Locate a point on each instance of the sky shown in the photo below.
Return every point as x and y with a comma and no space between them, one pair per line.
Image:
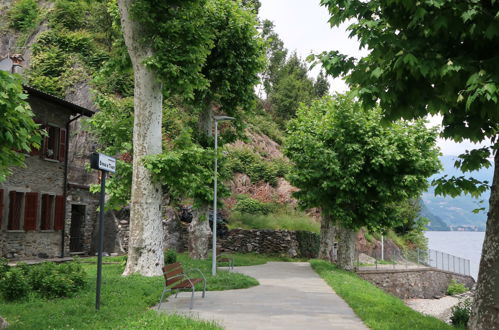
304,28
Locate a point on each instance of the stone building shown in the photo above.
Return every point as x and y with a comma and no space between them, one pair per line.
40,214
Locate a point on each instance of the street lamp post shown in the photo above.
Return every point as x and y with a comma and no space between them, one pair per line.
214,248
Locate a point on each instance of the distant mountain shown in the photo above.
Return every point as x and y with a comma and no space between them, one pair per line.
436,223
458,211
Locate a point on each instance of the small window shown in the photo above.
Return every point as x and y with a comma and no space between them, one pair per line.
16,204
54,145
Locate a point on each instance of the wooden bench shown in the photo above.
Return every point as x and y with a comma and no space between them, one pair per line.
224,259
176,279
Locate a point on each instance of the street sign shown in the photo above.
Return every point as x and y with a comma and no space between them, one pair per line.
102,162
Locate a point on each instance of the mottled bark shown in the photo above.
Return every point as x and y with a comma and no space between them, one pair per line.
145,252
327,239
199,234
346,248
205,122
485,313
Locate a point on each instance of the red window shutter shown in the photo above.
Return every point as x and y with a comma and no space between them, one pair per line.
30,210
59,213
37,152
1,207
45,145
14,214
62,144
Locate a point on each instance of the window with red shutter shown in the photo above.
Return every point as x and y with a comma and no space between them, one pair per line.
15,208
47,212
1,208
30,210
62,144
59,213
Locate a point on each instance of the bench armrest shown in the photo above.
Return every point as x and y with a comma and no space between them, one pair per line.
198,270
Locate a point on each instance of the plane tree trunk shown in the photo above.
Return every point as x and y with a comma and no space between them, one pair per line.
346,248
199,233
145,252
485,313
327,238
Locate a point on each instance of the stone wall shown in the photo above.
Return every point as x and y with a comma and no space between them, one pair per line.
277,242
425,283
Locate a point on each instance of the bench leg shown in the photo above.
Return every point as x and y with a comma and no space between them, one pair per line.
161,300
192,297
204,288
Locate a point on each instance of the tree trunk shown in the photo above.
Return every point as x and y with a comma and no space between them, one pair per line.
485,313
346,248
199,234
199,228
145,251
327,239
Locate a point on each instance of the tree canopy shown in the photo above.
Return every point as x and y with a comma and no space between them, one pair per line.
19,133
352,166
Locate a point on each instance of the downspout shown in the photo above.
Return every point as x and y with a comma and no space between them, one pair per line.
65,187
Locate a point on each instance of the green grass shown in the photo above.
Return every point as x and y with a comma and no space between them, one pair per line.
274,221
378,310
125,301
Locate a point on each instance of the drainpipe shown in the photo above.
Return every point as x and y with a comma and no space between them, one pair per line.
65,186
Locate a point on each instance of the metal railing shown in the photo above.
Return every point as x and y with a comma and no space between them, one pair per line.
417,258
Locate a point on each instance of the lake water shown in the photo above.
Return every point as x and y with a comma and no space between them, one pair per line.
462,244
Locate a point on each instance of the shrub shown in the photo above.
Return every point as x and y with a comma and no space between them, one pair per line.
23,15
39,272
4,267
252,206
455,288
460,314
68,14
14,284
170,256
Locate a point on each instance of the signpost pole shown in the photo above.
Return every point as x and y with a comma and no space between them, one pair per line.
101,239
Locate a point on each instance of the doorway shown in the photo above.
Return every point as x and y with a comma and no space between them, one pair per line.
76,230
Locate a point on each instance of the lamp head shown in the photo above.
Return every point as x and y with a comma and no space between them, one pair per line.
223,118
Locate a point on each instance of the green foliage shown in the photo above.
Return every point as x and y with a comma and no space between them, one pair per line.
4,266
244,160
186,169
170,256
460,314
252,206
280,220
456,288
232,66
14,284
354,167
426,57
377,309
308,244
23,15
48,280
19,133
291,88
68,14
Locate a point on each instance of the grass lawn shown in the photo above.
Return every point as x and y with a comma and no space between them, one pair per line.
378,310
296,221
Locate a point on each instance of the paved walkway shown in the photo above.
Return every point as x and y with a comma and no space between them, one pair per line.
290,296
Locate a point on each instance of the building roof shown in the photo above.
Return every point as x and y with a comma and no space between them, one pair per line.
76,108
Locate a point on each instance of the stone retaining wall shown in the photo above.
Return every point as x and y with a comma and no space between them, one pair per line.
424,283
281,242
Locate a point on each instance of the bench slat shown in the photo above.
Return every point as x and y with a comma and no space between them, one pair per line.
171,267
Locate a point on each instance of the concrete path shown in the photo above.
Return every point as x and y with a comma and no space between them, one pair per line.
290,296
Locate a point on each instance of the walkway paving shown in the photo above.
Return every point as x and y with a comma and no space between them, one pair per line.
290,296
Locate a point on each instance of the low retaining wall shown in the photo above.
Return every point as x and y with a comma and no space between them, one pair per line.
293,244
424,283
